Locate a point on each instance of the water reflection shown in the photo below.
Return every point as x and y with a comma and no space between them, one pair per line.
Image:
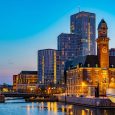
89,111
49,108
77,110
28,109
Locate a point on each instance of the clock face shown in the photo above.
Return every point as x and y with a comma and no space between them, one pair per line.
104,50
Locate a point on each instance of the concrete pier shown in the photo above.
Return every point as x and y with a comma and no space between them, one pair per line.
102,102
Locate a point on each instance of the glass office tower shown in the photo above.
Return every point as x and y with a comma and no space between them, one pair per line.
48,66
67,45
84,24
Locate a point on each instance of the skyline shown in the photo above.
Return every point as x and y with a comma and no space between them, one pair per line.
23,26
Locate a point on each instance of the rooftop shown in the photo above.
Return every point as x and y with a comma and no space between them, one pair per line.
87,61
29,72
101,24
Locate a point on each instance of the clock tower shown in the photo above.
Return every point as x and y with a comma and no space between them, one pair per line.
103,45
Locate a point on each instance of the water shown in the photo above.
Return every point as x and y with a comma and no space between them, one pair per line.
20,107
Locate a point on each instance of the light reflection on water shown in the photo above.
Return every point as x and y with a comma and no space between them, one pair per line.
19,107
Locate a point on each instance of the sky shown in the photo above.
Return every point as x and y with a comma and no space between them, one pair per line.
29,25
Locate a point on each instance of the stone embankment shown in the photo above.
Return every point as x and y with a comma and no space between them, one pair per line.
102,102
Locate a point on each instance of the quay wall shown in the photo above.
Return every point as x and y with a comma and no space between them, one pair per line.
85,101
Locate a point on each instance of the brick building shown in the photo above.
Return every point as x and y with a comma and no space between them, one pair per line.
85,73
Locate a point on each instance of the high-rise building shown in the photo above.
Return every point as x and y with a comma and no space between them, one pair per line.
48,66
81,40
112,52
84,24
67,45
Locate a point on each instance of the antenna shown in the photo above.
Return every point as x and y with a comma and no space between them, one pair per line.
79,8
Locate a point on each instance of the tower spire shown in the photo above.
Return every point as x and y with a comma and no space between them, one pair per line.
103,45
102,29
79,8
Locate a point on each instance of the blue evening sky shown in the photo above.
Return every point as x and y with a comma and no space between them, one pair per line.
29,25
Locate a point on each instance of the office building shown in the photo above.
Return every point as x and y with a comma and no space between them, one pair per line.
84,24
112,52
48,66
67,45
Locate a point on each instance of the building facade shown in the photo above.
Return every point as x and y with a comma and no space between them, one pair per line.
67,45
86,73
15,82
81,40
84,24
112,52
26,81
48,66
6,88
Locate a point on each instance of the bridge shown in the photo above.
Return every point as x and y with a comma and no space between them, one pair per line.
24,95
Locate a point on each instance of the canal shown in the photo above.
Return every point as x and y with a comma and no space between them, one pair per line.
20,107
